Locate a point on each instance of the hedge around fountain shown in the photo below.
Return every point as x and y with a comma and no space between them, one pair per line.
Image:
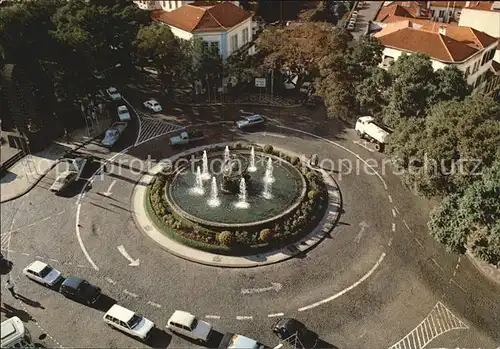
289,229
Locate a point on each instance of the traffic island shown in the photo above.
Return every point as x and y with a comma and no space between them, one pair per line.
174,206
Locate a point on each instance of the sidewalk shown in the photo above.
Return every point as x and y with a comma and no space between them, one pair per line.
27,172
489,270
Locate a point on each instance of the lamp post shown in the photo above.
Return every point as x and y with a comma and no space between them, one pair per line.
118,65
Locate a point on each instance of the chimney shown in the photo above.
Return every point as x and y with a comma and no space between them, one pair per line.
442,30
419,12
467,3
428,4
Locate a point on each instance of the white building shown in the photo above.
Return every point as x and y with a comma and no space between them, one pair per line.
470,50
483,16
167,5
222,24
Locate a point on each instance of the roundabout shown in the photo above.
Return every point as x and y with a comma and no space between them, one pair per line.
360,282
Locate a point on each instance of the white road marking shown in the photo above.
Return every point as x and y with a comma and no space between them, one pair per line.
329,299
278,346
390,242
81,266
111,281
79,237
418,242
244,317
440,320
276,314
436,263
393,212
276,286
339,146
390,198
406,225
39,257
212,316
458,285
393,227
133,262
363,146
26,254
54,260
108,192
397,211
156,305
130,293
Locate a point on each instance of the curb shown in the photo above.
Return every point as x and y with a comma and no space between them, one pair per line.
147,227
488,270
34,184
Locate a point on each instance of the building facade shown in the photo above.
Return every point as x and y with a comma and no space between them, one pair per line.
168,5
223,25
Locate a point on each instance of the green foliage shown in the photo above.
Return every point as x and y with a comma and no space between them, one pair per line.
312,194
472,219
266,235
156,44
443,153
226,238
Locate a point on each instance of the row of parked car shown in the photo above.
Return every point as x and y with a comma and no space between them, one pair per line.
180,322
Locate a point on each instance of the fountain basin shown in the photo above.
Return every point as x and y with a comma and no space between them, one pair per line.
288,190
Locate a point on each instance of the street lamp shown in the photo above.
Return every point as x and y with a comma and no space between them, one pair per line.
118,65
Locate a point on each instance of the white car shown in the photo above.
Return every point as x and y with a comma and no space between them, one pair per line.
351,26
43,273
188,325
237,341
113,93
64,179
249,121
129,322
123,113
153,105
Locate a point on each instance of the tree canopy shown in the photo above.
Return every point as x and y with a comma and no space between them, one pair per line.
471,220
443,152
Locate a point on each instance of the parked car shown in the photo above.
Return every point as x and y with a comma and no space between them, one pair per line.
63,180
123,113
153,105
42,273
113,134
291,330
306,87
188,325
351,26
368,128
129,322
79,163
113,93
237,341
98,75
250,121
80,290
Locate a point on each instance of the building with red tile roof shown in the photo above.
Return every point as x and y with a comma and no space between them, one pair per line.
221,24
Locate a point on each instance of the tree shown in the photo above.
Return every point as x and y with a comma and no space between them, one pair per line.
444,152
371,96
301,47
413,87
156,43
271,10
451,84
472,219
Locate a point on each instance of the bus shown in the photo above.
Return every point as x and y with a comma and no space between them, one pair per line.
14,335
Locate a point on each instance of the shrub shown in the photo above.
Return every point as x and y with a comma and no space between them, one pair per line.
266,235
238,145
312,194
268,149
225,238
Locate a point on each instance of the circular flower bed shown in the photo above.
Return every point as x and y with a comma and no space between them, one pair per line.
249,240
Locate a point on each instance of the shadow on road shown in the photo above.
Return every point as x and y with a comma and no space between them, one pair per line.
104,303
159,339
29,302
10,311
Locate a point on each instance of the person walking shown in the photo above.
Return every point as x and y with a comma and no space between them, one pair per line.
10,287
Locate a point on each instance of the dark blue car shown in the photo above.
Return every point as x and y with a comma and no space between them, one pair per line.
80,290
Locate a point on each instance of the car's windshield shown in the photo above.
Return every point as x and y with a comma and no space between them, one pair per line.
45,271
134,321
194,324
123,111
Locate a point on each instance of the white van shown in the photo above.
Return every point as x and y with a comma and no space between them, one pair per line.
129,322
14,335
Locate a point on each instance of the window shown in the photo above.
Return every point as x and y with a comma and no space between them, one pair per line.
233,44
433,12
441,13
245,36
476,67
215,44
450,14
467,72
205,45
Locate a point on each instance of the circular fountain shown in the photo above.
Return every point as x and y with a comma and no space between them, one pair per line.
247,188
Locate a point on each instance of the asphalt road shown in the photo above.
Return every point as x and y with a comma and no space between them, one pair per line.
360,288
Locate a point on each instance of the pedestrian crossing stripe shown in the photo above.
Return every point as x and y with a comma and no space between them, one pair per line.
153,128
440,320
